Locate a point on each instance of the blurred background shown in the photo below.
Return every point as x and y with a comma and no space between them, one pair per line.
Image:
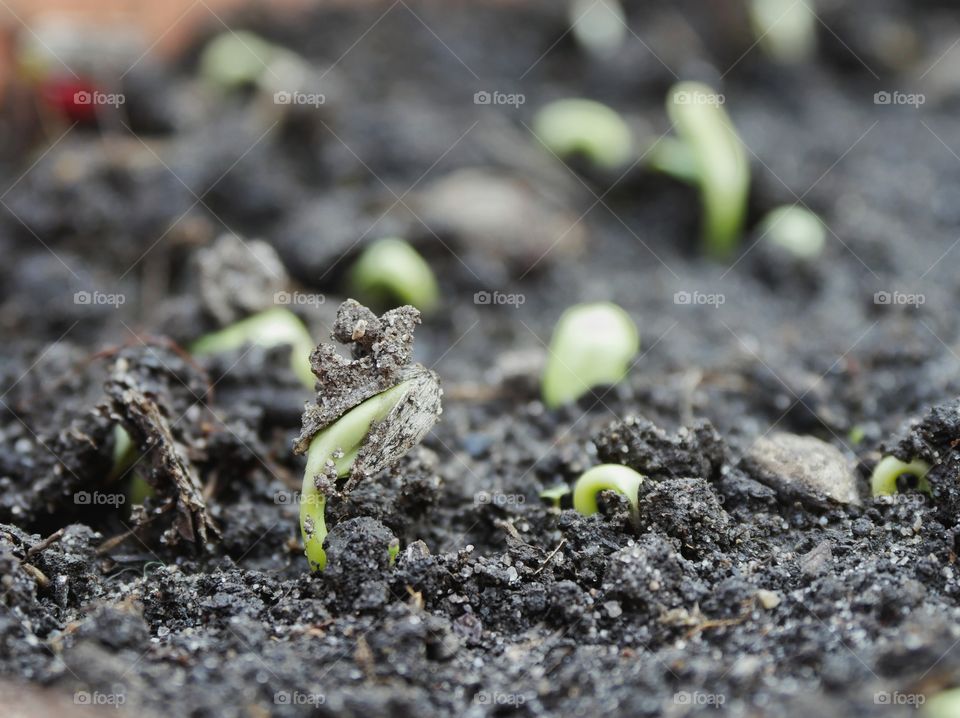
170,168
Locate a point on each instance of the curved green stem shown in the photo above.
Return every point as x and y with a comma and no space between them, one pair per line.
576,126
555,494
269,328
883,481
394,272
124,453
607,477
592,345
332,453
722,165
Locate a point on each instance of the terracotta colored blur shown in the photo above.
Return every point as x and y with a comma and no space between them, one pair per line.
166,25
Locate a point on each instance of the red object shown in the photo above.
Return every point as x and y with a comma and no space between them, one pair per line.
71,97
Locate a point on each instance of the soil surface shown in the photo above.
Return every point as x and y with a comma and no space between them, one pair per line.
761,578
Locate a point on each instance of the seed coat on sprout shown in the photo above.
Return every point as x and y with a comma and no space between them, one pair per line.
370,410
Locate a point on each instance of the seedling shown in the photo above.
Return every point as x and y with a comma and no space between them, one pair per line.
709,154
370,411
390,271
578,127
332,454
124,458
607,477
856,434
592,345
124,453
270,328
785,29
238,59
555,494
796,230
235,59
945,704
892,476
598,26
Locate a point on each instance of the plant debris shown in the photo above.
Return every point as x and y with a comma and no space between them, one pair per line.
381,350
148,396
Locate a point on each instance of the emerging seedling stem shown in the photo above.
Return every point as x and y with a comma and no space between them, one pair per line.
270,328
795,229
710,154
586,128
390,271
598,26
893,476
592,345
607,477
369,411
331,454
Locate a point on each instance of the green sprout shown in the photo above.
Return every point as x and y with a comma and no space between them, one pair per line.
555,494
795,229
235,59
124,453
945,704
709,154
576,126
269,328
891,476
592,345
598,26
785,29
370,410
239,59
125,456
607,477
392,272
337,447
856,434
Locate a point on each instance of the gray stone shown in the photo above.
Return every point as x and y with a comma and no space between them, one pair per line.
802,468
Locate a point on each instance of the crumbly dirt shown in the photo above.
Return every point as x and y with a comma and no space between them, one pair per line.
737,591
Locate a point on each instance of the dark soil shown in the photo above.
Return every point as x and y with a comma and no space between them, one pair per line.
731,590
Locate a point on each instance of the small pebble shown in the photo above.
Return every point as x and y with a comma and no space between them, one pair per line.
802,468
768,599
613,609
